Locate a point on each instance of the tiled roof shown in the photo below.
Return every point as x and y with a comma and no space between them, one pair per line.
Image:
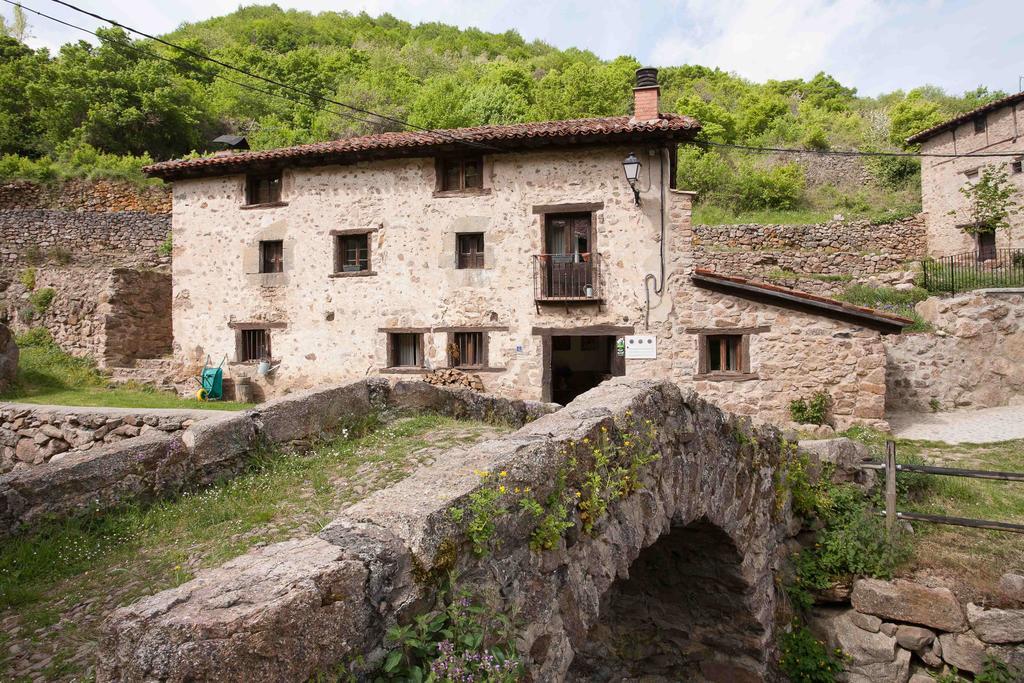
485,139
786,297
964,118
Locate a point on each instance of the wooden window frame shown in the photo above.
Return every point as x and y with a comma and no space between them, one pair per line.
474,260
443,162
980,124
338,237
252,181
393,351
239,330
264,270
483,351
744,372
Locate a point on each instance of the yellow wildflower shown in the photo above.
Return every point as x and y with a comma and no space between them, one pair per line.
515,490
502,489
503,473
526,490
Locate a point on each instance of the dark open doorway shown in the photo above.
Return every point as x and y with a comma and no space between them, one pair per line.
579,363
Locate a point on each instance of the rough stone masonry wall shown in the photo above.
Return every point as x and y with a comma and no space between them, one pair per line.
292,609
102,196
835,252
974,358
32,436
164,460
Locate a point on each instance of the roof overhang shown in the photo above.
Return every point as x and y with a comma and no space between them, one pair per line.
801,301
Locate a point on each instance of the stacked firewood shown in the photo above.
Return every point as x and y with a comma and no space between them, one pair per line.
452,377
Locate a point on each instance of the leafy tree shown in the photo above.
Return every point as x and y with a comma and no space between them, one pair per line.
991,201
914,114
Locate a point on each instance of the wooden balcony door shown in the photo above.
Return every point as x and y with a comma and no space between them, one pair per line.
567,240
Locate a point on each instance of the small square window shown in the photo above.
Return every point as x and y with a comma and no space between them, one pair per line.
471,250
980,124
723,353
405,350
263,189
1017,166
272,256
254,345
353,253
467,350
465,173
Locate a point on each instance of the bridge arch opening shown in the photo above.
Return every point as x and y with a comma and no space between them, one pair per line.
684,613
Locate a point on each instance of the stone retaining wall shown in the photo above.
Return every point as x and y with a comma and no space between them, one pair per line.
86,195
87,238
33,436
291,610
165,460
974,358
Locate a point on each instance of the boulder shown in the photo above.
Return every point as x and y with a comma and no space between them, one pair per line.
846,455
996,625
8,358
868,622
1012,586
872,656
906,601
914,638
963,651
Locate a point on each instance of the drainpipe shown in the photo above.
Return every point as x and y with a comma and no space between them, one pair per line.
659,282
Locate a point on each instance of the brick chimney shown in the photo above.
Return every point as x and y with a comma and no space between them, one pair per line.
646,94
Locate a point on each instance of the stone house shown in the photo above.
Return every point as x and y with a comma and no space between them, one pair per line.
520,253
996,128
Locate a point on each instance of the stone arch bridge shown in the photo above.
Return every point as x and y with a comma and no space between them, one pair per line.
674,581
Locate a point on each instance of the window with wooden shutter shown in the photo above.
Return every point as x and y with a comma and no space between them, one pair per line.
467,350
271,256
353,253
724,353
254,345
471,250
263,189
462,173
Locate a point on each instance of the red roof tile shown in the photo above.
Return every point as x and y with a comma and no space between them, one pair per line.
506,138
872,317
964,118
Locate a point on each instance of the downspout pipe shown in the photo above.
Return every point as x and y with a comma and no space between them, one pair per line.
650,279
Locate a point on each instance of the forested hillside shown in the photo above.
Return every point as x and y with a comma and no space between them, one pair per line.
108,109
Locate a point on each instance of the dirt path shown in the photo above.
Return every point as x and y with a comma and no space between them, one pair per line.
987,425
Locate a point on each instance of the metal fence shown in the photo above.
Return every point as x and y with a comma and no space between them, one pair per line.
892,515
567,277
975,270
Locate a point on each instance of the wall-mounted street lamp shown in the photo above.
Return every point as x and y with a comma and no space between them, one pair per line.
631,166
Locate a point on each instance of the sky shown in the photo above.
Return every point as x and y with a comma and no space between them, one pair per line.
873,45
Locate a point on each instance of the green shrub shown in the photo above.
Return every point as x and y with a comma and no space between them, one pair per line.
895,173
41,299
165,247
994,670
804,659
896,301
35,337
28,278
60,255
810,411
703,172
778,187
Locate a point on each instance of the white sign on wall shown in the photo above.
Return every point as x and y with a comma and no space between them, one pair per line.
640,346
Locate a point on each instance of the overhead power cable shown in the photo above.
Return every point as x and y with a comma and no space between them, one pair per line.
135,49
856,153
271,81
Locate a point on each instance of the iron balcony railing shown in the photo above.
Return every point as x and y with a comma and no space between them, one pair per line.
975,270
567,277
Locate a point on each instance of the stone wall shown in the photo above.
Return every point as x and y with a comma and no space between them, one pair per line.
85,239
974,358
33,436
110,315
163,459
104,196
895,627
329,599
825,169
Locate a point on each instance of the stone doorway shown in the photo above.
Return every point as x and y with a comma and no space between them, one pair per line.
684,614
578,363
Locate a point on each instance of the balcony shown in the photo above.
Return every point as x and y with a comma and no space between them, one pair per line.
567,279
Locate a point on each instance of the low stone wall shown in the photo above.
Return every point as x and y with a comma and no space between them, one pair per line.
34,435
893,625
290,610
86,195
125,238
138,324
974,358
904,240
166,460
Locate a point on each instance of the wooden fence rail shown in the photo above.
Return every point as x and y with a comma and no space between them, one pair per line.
891,468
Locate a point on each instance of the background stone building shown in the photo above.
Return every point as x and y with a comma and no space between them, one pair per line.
994,128
517,252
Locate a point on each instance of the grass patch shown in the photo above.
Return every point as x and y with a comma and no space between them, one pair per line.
972,558
48,375
819,205
943,277
897,301
110,559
